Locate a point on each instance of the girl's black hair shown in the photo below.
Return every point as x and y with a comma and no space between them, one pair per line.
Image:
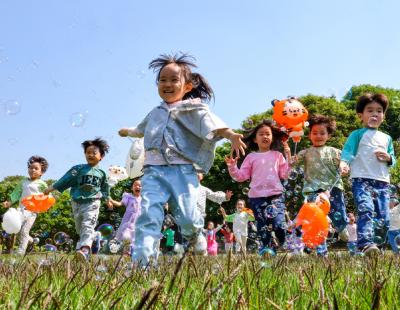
39,159
98,142
277,136
201,88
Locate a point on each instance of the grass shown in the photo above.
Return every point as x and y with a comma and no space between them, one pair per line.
57,281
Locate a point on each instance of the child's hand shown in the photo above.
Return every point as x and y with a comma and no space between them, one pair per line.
123,132
110,205
48,190
6,204
286,150
344,168
383,156
230,161
222,211
228,195
237,145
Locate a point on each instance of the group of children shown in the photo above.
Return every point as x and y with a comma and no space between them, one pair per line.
180,137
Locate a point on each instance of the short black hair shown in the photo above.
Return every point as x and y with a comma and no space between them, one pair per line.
38,159
367,98
329,122
98,142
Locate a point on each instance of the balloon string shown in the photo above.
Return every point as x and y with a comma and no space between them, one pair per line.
295,149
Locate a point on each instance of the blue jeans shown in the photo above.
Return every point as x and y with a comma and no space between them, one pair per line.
392,234
269,213
176,185
371,198
337,214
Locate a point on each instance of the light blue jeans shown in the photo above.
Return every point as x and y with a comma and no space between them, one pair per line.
392,234
176,185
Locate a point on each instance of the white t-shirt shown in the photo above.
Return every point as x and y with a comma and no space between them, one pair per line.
352,230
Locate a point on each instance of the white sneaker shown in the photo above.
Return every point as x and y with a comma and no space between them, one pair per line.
200,245
344,235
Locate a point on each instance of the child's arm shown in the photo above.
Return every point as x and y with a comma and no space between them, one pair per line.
242,174
217,197
66,181
219,227
237,145
349,152
286,151
388,156
116,203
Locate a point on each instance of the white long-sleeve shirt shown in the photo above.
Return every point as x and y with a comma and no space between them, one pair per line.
206,193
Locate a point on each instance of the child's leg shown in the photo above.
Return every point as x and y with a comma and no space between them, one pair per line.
258,205
29,220
337,213
238,238
228,246
244,243
381,202
155,194
392,234
322,249
279,221
184,184
363,200
89,213
77,220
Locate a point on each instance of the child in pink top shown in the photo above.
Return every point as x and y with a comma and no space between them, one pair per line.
265,168
211,235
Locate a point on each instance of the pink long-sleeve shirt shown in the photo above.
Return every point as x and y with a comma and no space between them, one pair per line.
265,171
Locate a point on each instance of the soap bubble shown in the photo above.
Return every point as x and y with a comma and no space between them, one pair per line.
50,248
60,238
141,74
12,141
245,191
35,240
106,230
397,241
378,240
12,107
292,175
77,119
337,216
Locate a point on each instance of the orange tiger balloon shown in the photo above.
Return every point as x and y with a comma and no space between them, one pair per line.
292,115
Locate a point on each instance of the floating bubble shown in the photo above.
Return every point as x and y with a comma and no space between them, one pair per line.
245,191
267,252
101,268
106,230
271,211
337,216
50,248
60,238
397,241
378,240
114,246
12,141
12,107
77,119
35,240
292,175
141,74
45,234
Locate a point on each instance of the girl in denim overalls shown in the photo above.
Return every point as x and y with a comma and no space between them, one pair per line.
179,134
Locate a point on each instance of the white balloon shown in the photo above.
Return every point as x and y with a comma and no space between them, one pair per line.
12,221
135,159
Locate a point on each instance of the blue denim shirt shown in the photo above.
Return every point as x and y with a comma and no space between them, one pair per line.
187,128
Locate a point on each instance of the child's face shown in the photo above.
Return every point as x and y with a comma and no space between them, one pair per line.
210,225
352,218
239,206
172,86
136,188
372,116
319,135
35,171
93,156
263,138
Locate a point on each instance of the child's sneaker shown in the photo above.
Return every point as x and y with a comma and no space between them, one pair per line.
82,256
344,235
371,250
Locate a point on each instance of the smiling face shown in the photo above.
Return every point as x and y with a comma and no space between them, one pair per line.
136,188
172,86
240,205
93,155
263,138
35,171
210,226
319,135
372,115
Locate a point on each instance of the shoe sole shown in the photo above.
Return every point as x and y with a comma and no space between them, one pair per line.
80,257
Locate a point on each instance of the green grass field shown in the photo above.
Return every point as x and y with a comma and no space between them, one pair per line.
57,281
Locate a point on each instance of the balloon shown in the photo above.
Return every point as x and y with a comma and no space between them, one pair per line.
38,203
135,159
323,202
12,221
291,115
116,174
249,211
314,224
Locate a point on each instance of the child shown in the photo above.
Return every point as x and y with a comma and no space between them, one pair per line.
179,133
370,154
211,235
88,185
206,193
394,229
169,236
126,231
240,220
352,230
229,237
265,167
37,166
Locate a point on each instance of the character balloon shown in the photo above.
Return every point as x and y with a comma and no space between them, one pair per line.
38,203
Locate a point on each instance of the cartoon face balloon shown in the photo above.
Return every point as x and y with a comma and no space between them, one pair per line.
38,203
291,115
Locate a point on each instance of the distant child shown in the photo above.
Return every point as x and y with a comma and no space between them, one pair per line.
126,230
178,134
265,167
369,154
240,220
169,235
229,237
37,166
89,186
394,229
211,235
352,230
206,193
